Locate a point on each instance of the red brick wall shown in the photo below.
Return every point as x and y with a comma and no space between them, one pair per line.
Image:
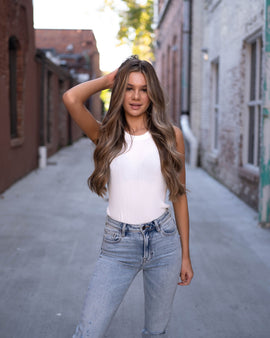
18,156
83,42
58,129
59,39
168,56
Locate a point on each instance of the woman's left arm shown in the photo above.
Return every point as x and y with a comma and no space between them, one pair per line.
180,206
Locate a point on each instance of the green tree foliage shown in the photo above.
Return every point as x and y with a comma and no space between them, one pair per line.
136,25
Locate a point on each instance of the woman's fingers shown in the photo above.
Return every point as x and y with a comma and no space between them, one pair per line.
111,77
186,278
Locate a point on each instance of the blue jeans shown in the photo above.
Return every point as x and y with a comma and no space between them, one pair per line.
126,249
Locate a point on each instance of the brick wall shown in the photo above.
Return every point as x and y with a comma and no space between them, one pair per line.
226,27
18,153
30,92
56,128
168,55
75,42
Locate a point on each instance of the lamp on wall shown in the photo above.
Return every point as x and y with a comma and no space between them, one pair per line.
205,53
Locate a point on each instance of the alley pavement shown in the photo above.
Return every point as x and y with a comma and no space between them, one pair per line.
51,229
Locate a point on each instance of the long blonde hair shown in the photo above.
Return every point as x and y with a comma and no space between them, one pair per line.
111,140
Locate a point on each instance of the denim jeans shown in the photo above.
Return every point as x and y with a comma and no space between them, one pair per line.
126,249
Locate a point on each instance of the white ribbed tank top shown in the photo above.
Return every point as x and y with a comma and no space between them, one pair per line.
137,189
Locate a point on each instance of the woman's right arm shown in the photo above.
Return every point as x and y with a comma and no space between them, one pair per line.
75,98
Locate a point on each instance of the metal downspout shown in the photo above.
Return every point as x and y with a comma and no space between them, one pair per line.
42,150
264,188
185,85
185,58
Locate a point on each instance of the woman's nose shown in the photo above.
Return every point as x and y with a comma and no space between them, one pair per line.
136,94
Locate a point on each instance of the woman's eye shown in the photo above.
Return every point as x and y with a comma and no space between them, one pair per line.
144,90
129,88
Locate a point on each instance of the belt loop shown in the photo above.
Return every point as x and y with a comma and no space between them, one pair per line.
157,225
123,230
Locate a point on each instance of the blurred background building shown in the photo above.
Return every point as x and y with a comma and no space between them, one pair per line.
217,53
34,123
76,51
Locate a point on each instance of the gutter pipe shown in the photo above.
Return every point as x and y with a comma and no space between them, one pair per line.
185,86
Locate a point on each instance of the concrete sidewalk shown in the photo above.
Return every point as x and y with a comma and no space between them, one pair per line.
51,229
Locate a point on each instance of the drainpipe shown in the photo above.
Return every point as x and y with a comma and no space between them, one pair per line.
185,85
42,150
185,58
191,139
264,188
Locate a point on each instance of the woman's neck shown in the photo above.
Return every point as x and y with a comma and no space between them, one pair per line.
137,126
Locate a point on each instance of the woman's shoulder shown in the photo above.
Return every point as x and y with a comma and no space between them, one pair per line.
178,132
179,138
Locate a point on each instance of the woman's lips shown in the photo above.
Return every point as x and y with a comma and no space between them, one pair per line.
135,106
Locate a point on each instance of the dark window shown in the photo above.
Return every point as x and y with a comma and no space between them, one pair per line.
253,71
49,107
13,47
254,104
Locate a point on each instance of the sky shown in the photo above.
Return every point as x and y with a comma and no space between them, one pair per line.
85,14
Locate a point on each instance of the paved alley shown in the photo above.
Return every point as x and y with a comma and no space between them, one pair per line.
51,229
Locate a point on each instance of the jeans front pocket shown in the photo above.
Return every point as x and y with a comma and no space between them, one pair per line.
169,228
111,234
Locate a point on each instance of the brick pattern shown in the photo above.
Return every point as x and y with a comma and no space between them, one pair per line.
168,56
222,28
58,129
74,42
226,26
19,156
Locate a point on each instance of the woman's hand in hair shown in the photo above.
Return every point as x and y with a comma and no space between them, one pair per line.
110,78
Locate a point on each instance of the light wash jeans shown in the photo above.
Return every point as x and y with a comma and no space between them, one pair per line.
126,249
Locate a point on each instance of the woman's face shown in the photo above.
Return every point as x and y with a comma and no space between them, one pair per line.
136,100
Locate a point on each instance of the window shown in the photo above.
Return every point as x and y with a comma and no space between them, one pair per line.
215,104
254,101
49,107
13,47
16,78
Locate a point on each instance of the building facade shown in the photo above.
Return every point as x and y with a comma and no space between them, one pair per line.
228,102
168,51
232,90
56,129
76,51
19,118
33,115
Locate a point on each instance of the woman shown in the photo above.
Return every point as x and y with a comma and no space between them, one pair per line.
138,156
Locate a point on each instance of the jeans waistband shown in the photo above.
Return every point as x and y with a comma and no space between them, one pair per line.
139,227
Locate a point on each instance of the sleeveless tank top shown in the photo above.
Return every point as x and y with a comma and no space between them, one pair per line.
136,187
